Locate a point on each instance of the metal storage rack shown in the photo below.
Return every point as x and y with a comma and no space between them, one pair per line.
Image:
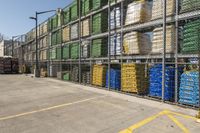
163,58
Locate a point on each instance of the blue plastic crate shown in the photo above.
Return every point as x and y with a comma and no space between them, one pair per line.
115,79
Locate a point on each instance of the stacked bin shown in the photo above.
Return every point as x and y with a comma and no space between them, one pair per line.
85,72
58,53
66,34
66,52
52,54
189,88
136,43
99,75
74,31
66,16
96,4
134,79
157,10
190,5
66,76
115,79
191,37
86,6
138,12
99,47
115,44
56,38
74,50
74,10
157,42
155,89
85,27
115,18
100,22
74,74
85,49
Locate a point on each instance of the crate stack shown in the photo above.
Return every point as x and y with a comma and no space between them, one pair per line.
100,22
99,47
66,16
138,12
74,51
115,79
157,9
74,74
56,38
85,27
115,44
85,75
85,49
155,89
99,75
66,51
136,43
86,6
66,34
134,79
7,65
191,37
189,88
1,65
157,42
15,65
52,54
190,5
66,76
96,4
74,10
115,18
58,53
74,31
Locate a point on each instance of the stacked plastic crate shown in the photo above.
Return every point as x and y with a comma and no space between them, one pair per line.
66,51
191,37
74,50
134,79
115,44
86,6
155,88
66,16
74,31
157,42
96,4
85,49
74,10
115,18
136,43
85,27
138,12
157,10
52,54
85,74
99,47
66,34
190,5
66,76
189,88
74,74
99,75
58,53
115,79
100,22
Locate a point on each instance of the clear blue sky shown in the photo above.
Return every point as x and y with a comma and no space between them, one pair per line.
14,14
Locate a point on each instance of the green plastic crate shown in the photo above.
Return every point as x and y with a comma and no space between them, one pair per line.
86,6
66,16
58,53
96,4
100,23
74,50
54,38
66,52
66,76
52,54
99,48
190,5
74,10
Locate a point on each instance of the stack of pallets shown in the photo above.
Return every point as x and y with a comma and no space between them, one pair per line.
190,5
115,18
115,79
99,75
74,74
74,50
191,37
189,88
134,79
85,49
99,47
86,77
74,31
115,44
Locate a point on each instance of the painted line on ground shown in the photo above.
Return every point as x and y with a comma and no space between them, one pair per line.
153,117
46,109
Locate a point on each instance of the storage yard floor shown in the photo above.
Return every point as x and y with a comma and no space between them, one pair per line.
29,105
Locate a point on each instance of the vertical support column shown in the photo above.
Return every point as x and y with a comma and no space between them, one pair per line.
61,48
90,50
164,50
79,5
122,27
109,33
176,52
37,73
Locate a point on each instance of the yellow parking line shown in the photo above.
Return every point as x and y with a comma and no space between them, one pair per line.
183,115
142,123
181,126
46,109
